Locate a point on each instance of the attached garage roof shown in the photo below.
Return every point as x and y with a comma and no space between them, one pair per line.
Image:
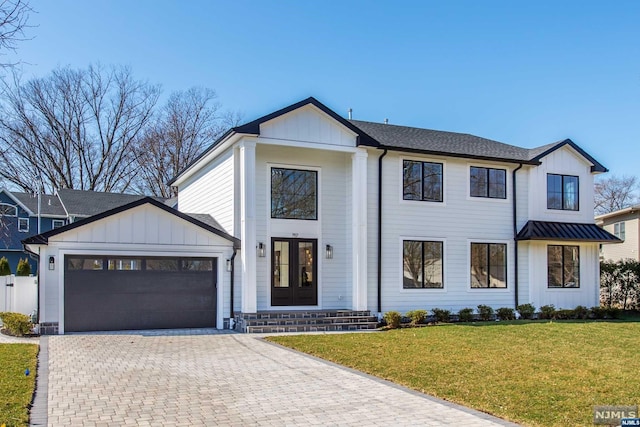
201,220
565,231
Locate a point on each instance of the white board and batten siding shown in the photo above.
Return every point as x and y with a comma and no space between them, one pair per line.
211,191
141,231
586,295
333,225
457,221
308,124
564,161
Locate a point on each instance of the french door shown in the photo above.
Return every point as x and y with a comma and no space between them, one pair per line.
294,279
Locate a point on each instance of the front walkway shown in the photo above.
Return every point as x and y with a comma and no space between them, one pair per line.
231,380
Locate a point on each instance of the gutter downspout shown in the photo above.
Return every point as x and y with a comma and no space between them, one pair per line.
515,234
380,232
233,271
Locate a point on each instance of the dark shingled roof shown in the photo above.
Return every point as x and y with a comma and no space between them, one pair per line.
49,204
84,203
565,231
207,219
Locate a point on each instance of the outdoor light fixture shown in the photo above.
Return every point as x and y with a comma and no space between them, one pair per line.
52,263
228,265
329,252
261,250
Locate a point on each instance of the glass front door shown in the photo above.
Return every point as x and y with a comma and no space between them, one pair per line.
294,272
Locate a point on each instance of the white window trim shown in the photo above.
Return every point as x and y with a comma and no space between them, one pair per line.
422,203
21,229
53,223
400,258
510,273
10,205
508,183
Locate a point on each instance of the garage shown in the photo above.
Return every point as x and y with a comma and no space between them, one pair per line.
143,265
109,293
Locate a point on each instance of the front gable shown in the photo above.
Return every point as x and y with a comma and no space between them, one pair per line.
566,160
145,224
308,124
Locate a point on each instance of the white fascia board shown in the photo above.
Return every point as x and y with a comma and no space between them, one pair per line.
301,144
220,148
17,202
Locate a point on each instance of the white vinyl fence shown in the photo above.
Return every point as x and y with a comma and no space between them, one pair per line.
19,294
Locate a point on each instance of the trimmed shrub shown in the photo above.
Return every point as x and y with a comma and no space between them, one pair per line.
563,314
24,268
5,270
547,312
441,315
417,316
580,312
505,313
392,319
526,311
485,312
613,312
597,312
17,324
465,315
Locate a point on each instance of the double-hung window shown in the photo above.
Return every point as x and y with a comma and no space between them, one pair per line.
422,264
563,266
488,182
294,194
488,265
562,192
618,230
23,224
422,181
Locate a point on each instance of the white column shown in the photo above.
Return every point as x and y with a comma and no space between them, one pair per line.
359,228
248,226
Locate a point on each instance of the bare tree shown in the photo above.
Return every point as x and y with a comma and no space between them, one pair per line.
14,15
190,121
615,193
74,129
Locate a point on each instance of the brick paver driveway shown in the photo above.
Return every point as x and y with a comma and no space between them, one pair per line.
231,380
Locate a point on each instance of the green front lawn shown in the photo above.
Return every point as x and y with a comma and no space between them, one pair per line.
16,389
534,373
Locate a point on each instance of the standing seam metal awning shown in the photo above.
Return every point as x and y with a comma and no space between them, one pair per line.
575,232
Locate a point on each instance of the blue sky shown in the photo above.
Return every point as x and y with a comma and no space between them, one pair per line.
524,73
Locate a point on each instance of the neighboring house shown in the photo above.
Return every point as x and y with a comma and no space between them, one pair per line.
625,225
316,212
20,220
25,215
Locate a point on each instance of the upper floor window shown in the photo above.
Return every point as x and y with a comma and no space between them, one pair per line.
294,194
562,192
488,182
488,265
422,181
422,264
8,210
618,230
57,223
563,266
23,224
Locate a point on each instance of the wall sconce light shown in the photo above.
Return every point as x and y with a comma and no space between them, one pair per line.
329,252
52,263
261,250
228,265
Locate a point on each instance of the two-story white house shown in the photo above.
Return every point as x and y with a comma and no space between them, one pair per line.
344,214
305,213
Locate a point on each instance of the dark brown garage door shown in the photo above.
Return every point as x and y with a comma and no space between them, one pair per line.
108,293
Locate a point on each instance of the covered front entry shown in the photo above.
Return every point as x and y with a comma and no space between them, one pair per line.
294,279
103,293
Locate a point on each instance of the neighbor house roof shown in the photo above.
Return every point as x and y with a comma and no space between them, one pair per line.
43,239
49,204
412,139
624,211
565,231
83,203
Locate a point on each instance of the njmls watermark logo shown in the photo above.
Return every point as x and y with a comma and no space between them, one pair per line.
614,415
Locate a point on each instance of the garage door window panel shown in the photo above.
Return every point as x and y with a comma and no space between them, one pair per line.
162,264
126,264
77,263
194,264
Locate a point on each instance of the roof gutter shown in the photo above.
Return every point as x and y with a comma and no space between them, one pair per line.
380,231
515,235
